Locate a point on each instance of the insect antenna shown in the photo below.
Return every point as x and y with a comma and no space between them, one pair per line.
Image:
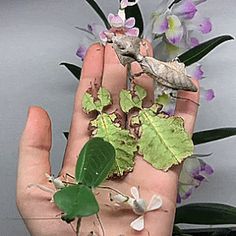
186,99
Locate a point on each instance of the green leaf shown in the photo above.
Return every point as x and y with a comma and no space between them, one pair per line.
76,201
129,101
75,70
221,232
212,135
206,214
90,103
195,54
134,11
123,142
99,11
95,162
164,141
173,3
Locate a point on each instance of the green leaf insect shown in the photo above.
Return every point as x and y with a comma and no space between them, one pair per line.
107,126
163,141
102,100
94,163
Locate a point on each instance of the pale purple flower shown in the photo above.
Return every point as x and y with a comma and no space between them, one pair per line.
178,22
200,24
81,51
185,9
193,173
207,94
120,24
195,71
175,31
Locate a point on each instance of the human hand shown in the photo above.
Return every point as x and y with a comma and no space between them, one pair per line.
102,67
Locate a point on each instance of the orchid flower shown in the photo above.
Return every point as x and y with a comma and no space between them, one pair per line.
120,24
177,22
127,3
138,205
193,173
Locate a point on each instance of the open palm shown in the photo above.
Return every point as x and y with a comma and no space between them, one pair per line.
41,216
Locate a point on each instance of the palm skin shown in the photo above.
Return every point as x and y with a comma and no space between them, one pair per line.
41,217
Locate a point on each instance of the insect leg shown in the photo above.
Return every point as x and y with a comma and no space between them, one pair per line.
187,99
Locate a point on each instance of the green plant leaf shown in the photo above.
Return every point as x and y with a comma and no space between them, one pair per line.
135,100
99,11
195,54
206,214
76,201
75,70
95,162
164,141
123,142
221,232
102,100
134,11
212,135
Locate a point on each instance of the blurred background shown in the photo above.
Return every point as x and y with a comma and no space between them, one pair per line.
37,35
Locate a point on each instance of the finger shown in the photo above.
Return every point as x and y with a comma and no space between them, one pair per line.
187,107
91,74
35,145
114,78
144,80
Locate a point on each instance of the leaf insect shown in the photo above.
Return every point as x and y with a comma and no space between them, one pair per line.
167,75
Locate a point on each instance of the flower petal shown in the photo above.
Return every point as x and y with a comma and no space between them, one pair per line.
132,32
175,32
134,192
205,26
115,20
185,9
160,24
207,94
128,3
196,71
81,51
193,42
155,203
130,23
138,224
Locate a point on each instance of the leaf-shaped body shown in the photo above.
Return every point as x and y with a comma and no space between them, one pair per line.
126,48
90,103
95,161
168,74
127,101
123,142
76,201
163,140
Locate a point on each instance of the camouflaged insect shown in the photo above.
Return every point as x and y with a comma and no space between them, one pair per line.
167,75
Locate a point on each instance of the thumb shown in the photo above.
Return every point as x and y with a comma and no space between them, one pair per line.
35,145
